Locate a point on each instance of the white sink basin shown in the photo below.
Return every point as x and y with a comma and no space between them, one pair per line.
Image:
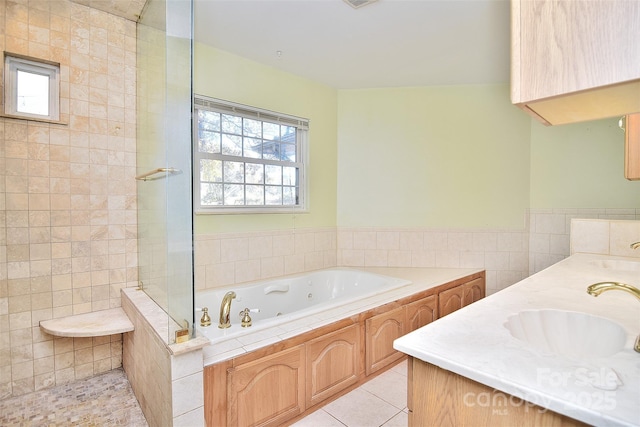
567,333
617,264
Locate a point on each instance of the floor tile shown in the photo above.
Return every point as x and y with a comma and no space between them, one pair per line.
390,387
400,420
320,418
103,400
359,408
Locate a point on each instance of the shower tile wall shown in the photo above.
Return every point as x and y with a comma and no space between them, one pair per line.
67,194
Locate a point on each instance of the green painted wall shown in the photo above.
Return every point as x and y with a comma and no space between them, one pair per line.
580,166
442,156
225,76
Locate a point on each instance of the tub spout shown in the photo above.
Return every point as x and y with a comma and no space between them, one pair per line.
635,245
225,310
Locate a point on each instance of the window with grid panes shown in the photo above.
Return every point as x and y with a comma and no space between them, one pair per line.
247,159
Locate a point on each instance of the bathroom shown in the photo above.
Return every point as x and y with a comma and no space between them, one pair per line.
484,185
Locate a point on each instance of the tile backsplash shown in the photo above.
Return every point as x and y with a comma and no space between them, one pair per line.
508,256
605,237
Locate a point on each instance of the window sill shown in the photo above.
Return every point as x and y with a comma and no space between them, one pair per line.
33,119
251,211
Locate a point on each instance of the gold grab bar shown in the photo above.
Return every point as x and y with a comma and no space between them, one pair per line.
167,171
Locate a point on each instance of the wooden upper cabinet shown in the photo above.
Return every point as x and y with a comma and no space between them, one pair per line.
575,60
632,147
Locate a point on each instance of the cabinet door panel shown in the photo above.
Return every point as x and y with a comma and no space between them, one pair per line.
268,391
473,291
381,331
632,147
450,301
332,363
566,44
422,312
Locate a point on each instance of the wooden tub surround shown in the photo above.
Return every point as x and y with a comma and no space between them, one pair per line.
283,382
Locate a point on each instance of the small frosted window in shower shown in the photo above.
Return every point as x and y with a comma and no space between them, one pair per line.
248,158
31,88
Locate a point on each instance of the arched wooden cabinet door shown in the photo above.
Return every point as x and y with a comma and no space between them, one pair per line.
332,363
381,331
473,291
450,300
422,312
268,391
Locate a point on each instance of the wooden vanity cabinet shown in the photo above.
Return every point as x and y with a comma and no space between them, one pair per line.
632,147
437,397
574,61
381,331
267,391
333,363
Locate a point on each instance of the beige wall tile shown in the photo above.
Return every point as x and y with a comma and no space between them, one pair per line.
56,175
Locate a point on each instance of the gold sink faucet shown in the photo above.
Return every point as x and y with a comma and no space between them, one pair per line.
225,310
598,288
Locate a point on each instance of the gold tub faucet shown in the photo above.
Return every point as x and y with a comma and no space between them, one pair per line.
225,310
598,288
635,245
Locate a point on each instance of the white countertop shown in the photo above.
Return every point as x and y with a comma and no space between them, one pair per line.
473,342
421,279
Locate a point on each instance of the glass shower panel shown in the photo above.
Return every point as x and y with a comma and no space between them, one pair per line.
165,219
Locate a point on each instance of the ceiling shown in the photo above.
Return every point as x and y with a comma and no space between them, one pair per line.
388,43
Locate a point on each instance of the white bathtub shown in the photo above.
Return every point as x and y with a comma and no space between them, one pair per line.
281,300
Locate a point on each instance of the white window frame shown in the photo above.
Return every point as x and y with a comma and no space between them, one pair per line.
226,107
15,63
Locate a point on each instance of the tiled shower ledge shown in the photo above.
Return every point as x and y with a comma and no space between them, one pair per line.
93,324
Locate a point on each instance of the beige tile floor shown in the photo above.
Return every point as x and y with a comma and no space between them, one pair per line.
381,402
